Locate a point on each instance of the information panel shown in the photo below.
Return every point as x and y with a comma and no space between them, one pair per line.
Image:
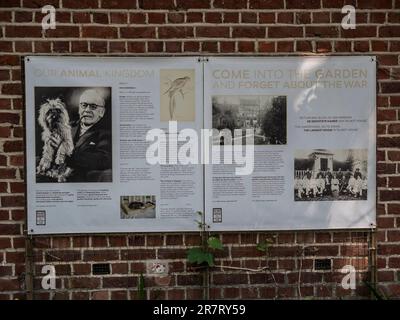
123,144
314,124
86,122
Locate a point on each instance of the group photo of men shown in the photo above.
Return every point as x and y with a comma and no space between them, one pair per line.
328,177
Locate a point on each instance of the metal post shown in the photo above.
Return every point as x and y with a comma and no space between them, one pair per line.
29,267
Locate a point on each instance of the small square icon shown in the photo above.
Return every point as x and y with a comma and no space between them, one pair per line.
40,217
217,215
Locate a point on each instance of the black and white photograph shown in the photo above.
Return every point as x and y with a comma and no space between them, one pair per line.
73,139
330,175
266,114
138,207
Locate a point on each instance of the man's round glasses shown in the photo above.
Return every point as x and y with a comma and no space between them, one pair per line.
92,106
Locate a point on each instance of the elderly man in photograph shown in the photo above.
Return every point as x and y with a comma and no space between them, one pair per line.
91,159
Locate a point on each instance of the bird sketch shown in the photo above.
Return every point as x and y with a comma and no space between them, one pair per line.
175,87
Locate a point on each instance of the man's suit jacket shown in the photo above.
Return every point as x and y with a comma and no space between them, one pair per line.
91,159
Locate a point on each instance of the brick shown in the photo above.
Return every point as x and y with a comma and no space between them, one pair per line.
79,46
138,32
81,17
23,16
8,173
17,160
98,46
118,4
285,46
248,32
82,269
189,280
117,241
303,4
120,268
157,4
212,32
99,32
136,47
12,201
137,254
393,236
175,17
389,195
11,89
83,283
285,17
209,46
266,4
248,17
213,17
61,46
176,294
100,18
100,255
371,4
321,17
42,47
100,295
172,240
5,16
23,31
82,4
118,18
192,17
6,46
175,32
230,4
285,32
158,18
303,18
119,282
388,142
5,243
304,46
388,249
323,32
12,118
192,4
172,253
61,242
359,32
377,17
266,17
63,32
9,284
229,279
387,60
390,87
342,46
385,168
393,208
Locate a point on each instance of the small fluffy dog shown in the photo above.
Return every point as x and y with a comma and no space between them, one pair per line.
54,119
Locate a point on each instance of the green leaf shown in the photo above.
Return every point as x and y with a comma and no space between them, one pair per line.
264,246
198,256
214,243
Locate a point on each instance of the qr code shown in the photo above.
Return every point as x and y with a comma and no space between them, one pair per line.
217,215
40,217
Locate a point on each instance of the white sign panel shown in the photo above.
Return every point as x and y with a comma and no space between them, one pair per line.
86,123
314,122
116,144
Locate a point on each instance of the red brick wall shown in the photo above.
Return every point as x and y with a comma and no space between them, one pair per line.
192,27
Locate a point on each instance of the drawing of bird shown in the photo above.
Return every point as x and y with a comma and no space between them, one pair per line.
176,86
